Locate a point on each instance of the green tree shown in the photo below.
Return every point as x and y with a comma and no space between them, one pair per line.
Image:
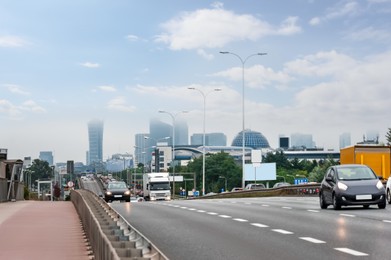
216,165
319,171
40,170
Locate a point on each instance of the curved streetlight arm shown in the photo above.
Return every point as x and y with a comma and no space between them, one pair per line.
243,120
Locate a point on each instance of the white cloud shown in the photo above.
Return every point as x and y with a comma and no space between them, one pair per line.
321,64
120,104
205,55
16,89
90,65
107,88
371,34
132,38
214,28
32,106
10,41
256,76
341,9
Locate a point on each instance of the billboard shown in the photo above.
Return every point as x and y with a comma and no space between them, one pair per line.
260,172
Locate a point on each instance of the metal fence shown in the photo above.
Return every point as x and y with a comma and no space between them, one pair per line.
111,237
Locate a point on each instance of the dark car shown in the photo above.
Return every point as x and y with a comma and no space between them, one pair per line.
351,184
117,190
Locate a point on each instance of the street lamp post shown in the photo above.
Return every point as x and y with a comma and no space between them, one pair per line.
203,137
173,117
243,61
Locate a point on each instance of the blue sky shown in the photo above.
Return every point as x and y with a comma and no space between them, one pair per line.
63,63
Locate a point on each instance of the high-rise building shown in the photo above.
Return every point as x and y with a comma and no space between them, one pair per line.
142,150
344,140
302,140
46,156
211,139
284,142
159,130
95,136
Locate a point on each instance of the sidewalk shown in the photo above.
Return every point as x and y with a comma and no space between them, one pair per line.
41,230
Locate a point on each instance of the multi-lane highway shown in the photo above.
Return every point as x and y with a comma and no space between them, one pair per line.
261,228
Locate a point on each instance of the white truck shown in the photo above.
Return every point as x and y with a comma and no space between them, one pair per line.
156,186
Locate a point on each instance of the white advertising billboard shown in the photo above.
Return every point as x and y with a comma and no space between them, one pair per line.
260,172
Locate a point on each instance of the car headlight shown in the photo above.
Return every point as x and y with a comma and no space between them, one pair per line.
342,186
127,192
108,192
379,185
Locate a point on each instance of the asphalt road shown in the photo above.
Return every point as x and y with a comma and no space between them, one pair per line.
261,228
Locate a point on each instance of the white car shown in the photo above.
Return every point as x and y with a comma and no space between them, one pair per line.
388,190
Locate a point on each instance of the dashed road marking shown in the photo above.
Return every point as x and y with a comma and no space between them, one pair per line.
183,207
224,216
348,215
287,207
212,213
192,209
312,240
282,231
350,251
312,210
259,225
265,205
387,221
240,220
201,211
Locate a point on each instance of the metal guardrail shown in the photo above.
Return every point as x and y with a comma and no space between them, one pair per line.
294,190
111,237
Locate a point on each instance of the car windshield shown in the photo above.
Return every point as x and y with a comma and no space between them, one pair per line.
356,173
120,185
160,186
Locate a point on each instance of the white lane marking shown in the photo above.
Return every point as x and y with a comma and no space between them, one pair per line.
259,225
312,240
240,220
312,210
201,211
191,209
287,207
247,203
224,216
176,206
212,213
350,251
282,231
348,215
387,221
265,205
183,207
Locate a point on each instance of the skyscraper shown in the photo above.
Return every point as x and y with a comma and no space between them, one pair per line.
344,140
95,136
46,156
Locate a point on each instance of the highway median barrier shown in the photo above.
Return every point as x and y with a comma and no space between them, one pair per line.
110,236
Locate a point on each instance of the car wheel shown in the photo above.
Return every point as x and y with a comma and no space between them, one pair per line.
323,204
389,196
336,203
382,205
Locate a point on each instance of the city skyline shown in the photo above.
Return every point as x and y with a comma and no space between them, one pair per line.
325,72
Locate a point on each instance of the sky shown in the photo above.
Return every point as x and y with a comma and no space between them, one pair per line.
327,70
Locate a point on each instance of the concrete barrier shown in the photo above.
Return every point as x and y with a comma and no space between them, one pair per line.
109,234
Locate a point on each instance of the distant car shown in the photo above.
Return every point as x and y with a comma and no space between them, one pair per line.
117,190
351,184
236,189
255,186
388,190
281,184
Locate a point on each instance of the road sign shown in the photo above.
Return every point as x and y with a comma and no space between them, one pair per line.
70,184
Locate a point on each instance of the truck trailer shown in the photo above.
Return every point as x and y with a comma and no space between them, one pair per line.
376,157
156,186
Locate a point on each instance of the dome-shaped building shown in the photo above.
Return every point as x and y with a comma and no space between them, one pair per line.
253,139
